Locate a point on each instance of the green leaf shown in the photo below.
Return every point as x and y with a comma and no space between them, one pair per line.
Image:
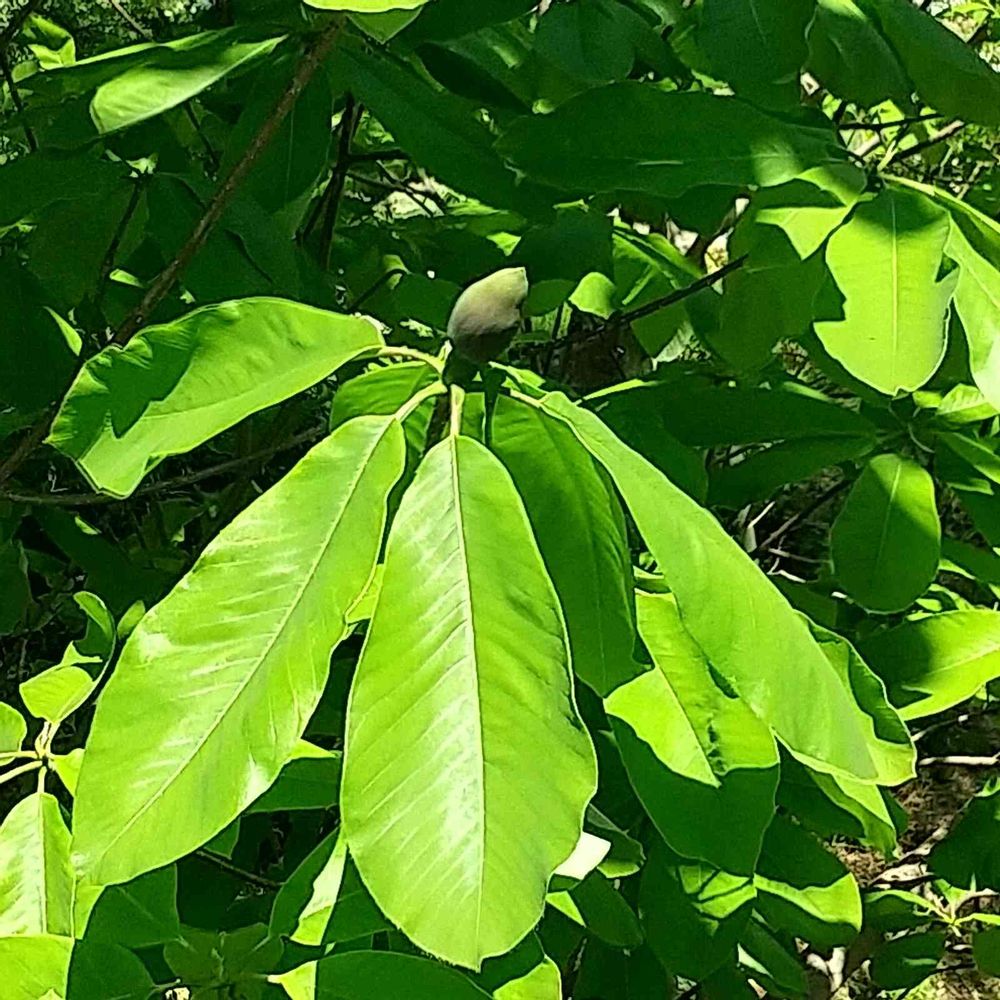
35,966
36,879
245,679
886,541
140,914
106,969
770,962
588,40
632,137
595,905
758,46
934,663
13,729
14,585
948,73
310,780
440,131
694,755
885,261
176,385
170,74
581,534
464,680
744,626
57,692
692,913
67,767
905,962
804,889
970,855
526,973
852,58
305,904
986,951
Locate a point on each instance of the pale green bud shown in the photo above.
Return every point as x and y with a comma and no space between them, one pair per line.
488,314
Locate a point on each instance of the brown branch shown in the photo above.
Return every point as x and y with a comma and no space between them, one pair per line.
379,156
131,21
884,126
940,136
15,98
682,293
31,440
801,515
335,189
189,479
224,865
165,281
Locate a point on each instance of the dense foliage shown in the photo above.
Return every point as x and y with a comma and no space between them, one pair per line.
600,672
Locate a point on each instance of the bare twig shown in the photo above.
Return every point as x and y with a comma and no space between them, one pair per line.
960,760
162,284
379,156
682,293
801,515
108,264
130,20
393,272
251,878
99,499
15,98
31,440
938,137
884,126
335,189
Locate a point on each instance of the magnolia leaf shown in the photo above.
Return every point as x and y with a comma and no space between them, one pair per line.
174,386
13,729
464,679
224,697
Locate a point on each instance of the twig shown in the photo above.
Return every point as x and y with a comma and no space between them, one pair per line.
940,136
130,20
682,293
960,760
883,126
335,189
801,515
15,98
267,884
394,188
393,272
98,499
162,284
108,264
379,156
31,440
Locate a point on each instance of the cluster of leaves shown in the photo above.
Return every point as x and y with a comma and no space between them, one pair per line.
519,704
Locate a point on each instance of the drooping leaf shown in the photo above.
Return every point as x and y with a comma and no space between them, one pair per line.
36,879
758,46
580,531
169,74
174,386
905,962
464,677
804,889
886,541
692,913
631,137
851,56
933,663
595,905
970,855
885,261
948,74
694,754
245,679
741,622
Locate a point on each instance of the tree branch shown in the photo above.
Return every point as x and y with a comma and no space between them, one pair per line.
17,22
682,293
940,136
224,865
165,281
960,760
15,98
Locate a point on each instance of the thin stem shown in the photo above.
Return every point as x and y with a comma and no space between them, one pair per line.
379,156
15,97
411,354
99,499
960,760
801,515
18,771
414,402
940,136
108,264
130,20
335,189
457,405
31,440
167,278
682,293
394,272
229,868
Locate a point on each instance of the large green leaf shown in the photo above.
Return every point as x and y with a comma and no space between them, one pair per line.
694,755
886,542
970,855
35,966
852,58
170,74
743,624
933,663
693,913
949,75
759,46
246,677
36,879
578,523
885,262
464,683
367,6
804,889
140,914
176,385
633,137
595,905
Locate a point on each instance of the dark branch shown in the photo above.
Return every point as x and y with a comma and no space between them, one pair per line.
15,98
682,293
940,136
165,281
17,22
